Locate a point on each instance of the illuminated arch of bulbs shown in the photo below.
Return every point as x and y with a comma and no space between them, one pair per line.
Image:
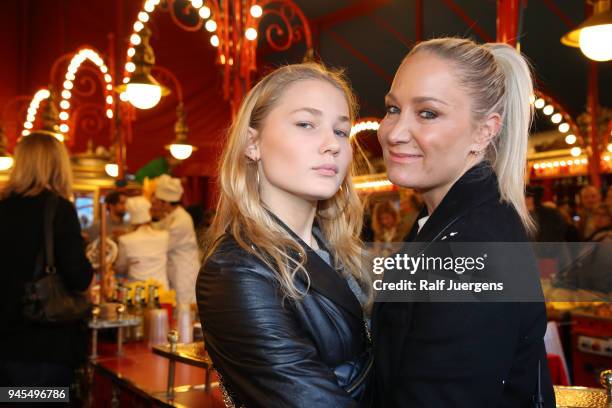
39,96
567,126
558,116
75,63
206,13
365,124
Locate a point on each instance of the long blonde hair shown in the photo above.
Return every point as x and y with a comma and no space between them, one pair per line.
41,162
499,80
240,212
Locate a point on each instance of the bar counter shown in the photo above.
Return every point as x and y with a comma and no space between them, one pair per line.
139,378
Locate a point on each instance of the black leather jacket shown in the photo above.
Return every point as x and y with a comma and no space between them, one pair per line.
272,353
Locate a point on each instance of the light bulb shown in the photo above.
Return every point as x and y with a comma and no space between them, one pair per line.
250,34
256,11
539,103
111,169
548,110
135,39
570,139
564,127
181,151
6,162
143,96
556,118
596,42
204,12
214,40
576,151
610,147
143,16
211,26
197,3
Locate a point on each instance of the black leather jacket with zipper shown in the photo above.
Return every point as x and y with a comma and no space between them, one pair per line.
274,353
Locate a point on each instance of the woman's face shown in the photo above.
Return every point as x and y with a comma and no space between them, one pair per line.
428,133
303,145
387,220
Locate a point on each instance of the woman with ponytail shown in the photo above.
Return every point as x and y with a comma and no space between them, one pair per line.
456,128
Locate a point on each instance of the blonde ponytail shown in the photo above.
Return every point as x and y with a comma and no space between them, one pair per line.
511,143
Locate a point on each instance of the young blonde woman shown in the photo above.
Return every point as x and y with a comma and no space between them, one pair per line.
456,129
281,291
31,354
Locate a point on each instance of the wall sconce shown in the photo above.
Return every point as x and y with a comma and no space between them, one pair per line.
594,35
142,90
181,149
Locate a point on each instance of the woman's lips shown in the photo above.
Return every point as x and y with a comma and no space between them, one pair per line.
327,170
404,157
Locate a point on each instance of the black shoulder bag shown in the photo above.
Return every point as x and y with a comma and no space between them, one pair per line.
46,298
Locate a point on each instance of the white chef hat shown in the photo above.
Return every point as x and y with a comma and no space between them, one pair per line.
138,207
168,188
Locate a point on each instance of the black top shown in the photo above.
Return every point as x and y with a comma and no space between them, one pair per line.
279,353
463,354
21,238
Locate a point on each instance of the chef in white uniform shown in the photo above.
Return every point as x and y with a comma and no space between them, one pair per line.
183,256
143,253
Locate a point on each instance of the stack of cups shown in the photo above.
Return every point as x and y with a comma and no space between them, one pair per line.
184,323
158,326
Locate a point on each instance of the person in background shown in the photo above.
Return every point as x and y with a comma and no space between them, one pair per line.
591,268
183,256
115,221
410,207
32,354
385,221
143,253
550,224
602,222
590,198
157,167
566,211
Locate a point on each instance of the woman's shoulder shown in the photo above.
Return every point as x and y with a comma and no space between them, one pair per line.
492,221
230,256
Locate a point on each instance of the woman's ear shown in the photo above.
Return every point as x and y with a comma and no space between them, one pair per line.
487,131
252,148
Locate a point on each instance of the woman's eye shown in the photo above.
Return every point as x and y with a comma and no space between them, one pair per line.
392,110
305,125
341,133
427,114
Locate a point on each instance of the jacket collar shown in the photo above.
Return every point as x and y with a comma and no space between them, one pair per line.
324,279
476,186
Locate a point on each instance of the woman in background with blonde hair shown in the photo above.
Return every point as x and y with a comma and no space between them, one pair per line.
456,130
281,291
31,354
